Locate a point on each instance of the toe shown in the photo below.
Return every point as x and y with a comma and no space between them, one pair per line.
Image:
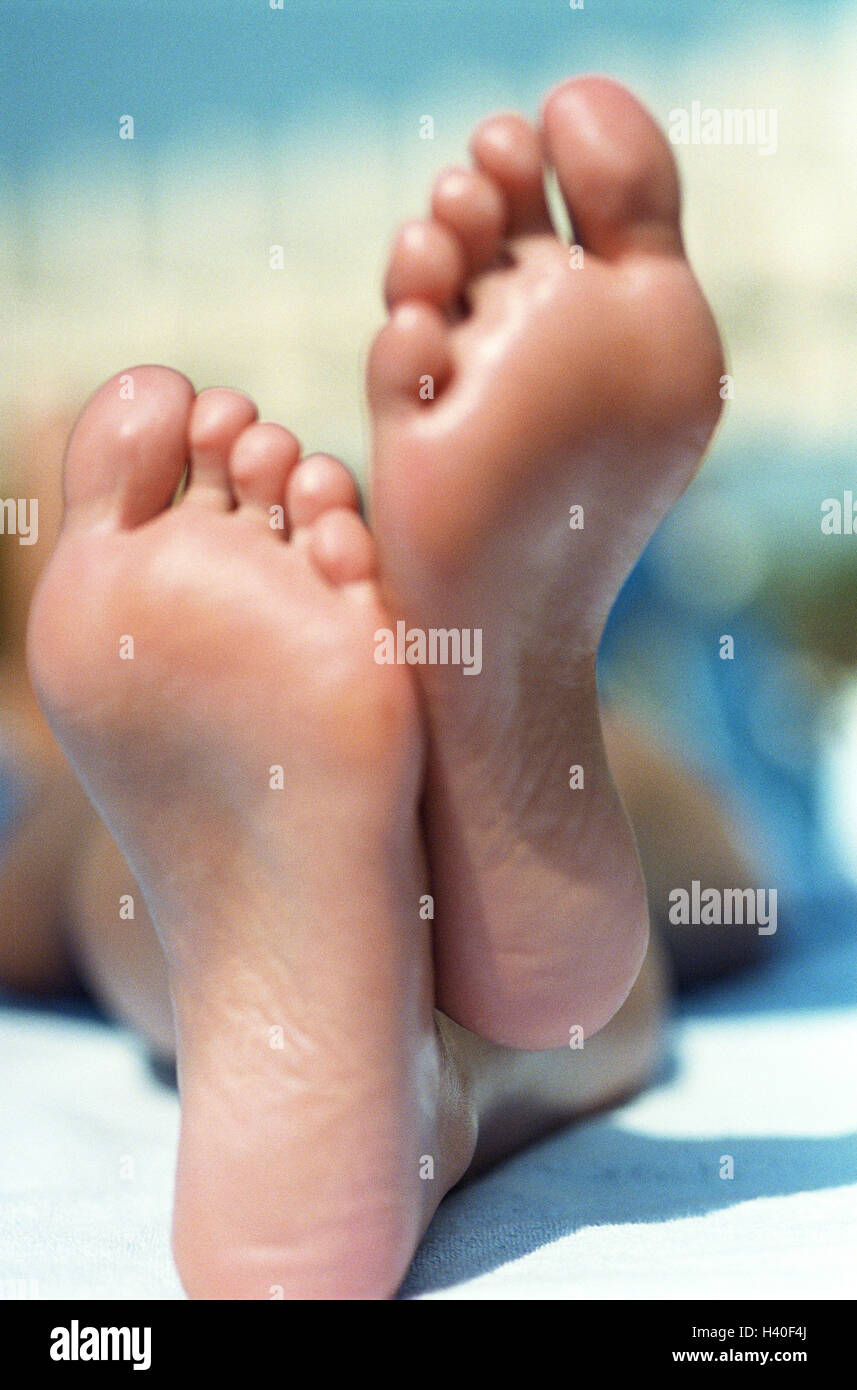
319,484
473,207
262,458
427,262
615,168
508,150
217,419
128,450
410,359
342,548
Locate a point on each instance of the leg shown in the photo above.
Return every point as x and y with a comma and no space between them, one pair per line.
36,866
119,956
52,816
684,833
61,874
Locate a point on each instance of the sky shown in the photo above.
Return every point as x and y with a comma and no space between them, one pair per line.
70,65
299,127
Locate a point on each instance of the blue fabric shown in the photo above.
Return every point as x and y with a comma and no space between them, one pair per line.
751,723
11,797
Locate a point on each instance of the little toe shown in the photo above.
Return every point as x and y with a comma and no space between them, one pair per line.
472,206
127,452
427,262
509,150
410,359
218,417
319,484
262,458
341,547
615,168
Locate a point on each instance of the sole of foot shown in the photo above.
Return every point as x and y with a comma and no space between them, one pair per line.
206,664
536,409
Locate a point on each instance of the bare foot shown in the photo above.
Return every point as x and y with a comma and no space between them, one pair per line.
556,385
211,680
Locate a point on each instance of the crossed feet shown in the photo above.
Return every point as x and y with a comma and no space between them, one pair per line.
208,666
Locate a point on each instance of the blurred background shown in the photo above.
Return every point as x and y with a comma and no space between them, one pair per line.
256,127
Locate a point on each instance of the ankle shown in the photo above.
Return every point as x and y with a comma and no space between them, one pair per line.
457,1112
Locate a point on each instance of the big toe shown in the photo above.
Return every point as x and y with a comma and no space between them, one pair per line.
127,452
615,168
